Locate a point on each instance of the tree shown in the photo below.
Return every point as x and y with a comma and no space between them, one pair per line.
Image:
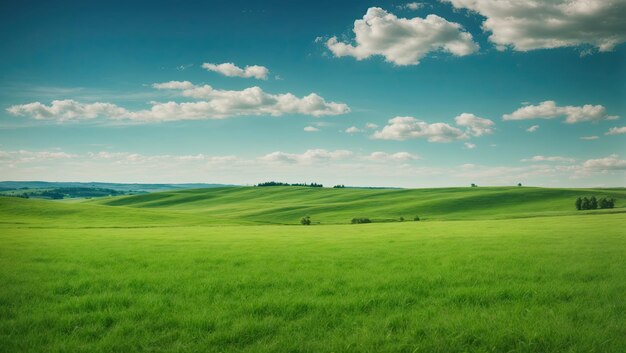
474,185
519,184
593,203
585,204
305,221
610,203
416,218
579,203
401,219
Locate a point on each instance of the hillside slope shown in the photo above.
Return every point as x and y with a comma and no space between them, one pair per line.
287,204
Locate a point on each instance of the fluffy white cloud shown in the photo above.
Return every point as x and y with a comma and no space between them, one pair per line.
616,131
476,126
533,128
352,130
311,129
403,41
212,104
394,157
549,159
589,137
406,127
412,6
572,114
612,162
68,109
469,145
309,156
533,24
232,70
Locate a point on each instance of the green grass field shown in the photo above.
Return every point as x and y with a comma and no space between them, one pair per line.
228,270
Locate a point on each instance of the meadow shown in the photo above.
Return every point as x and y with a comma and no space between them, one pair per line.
229,270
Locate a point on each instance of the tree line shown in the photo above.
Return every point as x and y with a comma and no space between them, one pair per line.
277,183
592,203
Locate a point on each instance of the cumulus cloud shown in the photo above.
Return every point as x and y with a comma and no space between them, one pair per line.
352,130
572,114
311,129
412,6
232,70
394,157
533,128
549,159
529,24
406,127
403,41
309,156
616,131
68,109
476,126
212,104
612,162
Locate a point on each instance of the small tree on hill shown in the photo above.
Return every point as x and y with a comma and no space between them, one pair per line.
593,203
519,184
585,203
416,218
305,221
474,185
579,204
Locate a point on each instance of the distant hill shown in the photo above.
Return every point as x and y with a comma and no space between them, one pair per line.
286,205
13,185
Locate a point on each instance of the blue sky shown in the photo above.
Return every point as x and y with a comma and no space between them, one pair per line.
421,94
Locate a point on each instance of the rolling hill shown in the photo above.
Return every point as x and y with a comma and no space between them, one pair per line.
286,205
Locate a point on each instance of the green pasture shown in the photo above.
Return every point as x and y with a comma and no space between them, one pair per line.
221,270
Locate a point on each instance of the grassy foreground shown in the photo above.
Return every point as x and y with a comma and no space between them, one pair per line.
547,284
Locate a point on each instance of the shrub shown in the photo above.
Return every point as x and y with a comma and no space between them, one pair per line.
361,220
305,221
401,219
416,218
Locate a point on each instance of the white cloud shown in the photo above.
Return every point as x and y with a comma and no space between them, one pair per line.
24,156
412,6
212,104
549,110
394,157
533,128
590,137
352,130
612,162
476,126
470,146
616,131
232,70
549,159
311,129
406,127
309,156
403,41
68,109
371,126
530,24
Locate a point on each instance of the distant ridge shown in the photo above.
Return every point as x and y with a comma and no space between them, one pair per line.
10,185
